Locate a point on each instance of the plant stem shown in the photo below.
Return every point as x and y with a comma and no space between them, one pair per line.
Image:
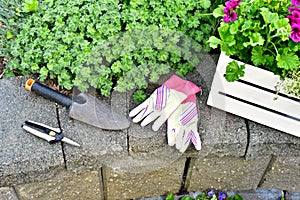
274,47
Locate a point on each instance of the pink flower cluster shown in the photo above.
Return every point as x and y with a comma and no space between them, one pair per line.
295,21
230,15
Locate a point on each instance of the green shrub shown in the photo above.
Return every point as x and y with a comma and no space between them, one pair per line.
110,44
10,12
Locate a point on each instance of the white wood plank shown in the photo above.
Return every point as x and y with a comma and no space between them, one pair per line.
256,96
255,114
253,74
261,97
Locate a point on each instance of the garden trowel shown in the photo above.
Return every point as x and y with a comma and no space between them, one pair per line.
84,107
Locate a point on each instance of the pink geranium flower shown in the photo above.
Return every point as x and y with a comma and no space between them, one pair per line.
293,20
294,8
296,2
295,33
230,17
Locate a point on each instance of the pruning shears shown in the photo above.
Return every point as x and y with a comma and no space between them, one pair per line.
48,133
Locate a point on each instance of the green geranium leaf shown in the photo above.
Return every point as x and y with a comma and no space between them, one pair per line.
259,57
234,71
30,6
283,29
214,42
287,61
255,39
268,16
218,12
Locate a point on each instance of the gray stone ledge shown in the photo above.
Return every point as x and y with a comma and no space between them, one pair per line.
64,185
27,159
284,174
8,193
230,173
265,140
24,157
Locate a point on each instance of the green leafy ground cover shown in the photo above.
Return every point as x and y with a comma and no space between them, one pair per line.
107,44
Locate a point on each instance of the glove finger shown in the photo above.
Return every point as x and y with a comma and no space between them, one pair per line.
172,132
160,121
195,138
140,108
185,142
180,137
151,117
144,113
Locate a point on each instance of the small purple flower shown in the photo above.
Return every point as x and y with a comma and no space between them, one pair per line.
295,33
211,193
221,196
230,18
296,2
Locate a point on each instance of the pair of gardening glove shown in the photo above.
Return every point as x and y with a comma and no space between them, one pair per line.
174,102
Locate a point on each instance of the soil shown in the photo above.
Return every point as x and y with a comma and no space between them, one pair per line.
2,65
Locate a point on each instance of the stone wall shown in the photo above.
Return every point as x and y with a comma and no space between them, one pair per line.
236,154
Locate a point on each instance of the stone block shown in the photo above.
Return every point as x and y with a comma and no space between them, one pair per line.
25,157
284,174
222,133
8,193
226,173
97,145
64,185
127,179
292,196
261,194
266,141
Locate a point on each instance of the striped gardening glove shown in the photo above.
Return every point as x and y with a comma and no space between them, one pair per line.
163,102
182,125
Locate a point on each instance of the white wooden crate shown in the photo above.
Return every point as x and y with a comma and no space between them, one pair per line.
252,98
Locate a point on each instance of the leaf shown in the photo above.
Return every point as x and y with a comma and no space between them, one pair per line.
283,29
268,16
234,71
237,197
9,35
218,12
187,198
287,61
214,42
205,3
30,6
43,73
255,39
259,57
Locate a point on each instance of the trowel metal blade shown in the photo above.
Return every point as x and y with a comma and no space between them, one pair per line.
90,110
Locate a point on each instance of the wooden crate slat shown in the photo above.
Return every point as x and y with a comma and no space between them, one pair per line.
252,98
261,97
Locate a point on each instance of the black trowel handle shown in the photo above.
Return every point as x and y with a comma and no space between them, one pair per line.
48,93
